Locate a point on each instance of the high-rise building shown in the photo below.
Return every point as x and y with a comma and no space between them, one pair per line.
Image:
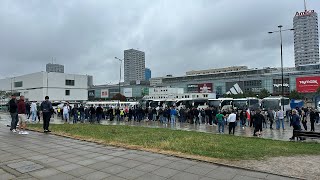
134,65
148,74
306,37
55,68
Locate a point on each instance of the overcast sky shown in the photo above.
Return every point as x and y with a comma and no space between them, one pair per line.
176,35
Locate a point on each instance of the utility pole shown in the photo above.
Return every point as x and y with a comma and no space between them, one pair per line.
305,5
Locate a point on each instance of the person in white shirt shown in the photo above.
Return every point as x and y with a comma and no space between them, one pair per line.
33,111
66,110
232,118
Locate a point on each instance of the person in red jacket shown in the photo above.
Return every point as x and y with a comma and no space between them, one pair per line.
22,115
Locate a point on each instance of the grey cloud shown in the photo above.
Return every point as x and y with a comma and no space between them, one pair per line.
177,35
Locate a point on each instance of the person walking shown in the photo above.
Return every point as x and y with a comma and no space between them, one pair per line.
22,116
258,120
13,109
33,112
220,118
46,109
232,118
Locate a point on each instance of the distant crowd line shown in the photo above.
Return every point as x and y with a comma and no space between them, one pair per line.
211,116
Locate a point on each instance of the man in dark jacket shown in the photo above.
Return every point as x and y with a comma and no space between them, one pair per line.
295,123
13,109
46,110
22,115
99,112
81,110
92,114
313,117
258,119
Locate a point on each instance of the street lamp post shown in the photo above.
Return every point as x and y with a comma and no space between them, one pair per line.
281,53
120,76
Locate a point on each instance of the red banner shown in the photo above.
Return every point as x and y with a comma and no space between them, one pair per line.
307,84
205,88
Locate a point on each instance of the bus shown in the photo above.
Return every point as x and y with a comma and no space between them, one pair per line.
223,104
192,103
109,104
155,103
245,103
275,103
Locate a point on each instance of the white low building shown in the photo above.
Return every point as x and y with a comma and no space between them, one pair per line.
58,86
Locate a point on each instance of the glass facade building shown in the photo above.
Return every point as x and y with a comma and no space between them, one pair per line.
251,80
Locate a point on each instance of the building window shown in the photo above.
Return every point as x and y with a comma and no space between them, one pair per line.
67,92
18,84
69,82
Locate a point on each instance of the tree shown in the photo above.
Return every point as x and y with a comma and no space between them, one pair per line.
119,97
318,90
235,96
264,93
295,95
249,94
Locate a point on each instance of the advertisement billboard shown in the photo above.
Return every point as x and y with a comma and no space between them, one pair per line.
240,87
277,86
307,84
200,88
127,92
192,88
104,93
205,88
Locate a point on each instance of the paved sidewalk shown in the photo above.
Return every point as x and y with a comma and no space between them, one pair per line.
46,156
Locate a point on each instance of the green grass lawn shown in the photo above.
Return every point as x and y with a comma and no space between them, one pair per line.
189,143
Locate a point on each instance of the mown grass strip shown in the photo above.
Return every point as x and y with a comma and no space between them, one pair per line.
191,143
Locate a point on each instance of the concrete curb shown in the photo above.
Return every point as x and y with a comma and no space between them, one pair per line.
172,155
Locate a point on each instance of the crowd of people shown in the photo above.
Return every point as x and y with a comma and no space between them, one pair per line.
210,116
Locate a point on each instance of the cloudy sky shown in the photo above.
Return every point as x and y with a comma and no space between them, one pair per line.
177,35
